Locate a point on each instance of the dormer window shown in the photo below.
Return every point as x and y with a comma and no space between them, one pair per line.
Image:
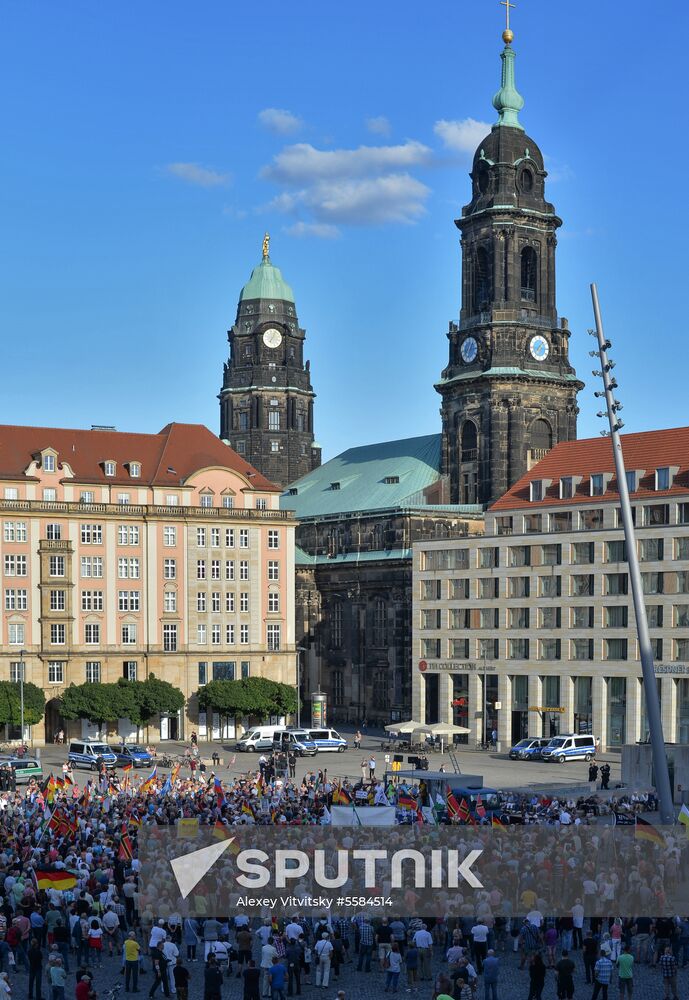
48,463
391,480
631,481
665,476
334,486
109,468
292,491
135,470
566,488
536,490
206,499
597,484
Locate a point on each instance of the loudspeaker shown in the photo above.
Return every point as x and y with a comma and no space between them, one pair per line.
414,761
398,758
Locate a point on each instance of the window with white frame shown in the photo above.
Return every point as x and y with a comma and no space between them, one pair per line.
244,601
215,601
261,503
201,633
123,499
15,671
129,670
536,490
135,470
57,634
229,635
215,569
56,672
15,531
215,635
170,638
92,567
229,569
273,570
228,502
128,600
273,538
93,672
48,463
92,633
171,500
53,532
56,566
170,569
274,420
122,567
92,534
244,635
229,603
229,538
243,569
16,600
15,632
92,600
215,538
663,478
49,494
206,499
170,600
58,600
273,601
110,468
129,634
200,569
201,537
273,637
201,601
11,493
169,535
87,496
274,446
128,534
243,538
16,565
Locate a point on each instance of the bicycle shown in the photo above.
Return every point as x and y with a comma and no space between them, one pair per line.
113,993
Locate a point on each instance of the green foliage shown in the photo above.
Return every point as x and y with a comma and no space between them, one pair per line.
256,696
10,704
138,701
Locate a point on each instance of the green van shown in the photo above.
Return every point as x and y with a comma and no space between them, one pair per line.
24,768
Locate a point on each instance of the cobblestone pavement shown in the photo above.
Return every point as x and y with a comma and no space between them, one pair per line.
513,983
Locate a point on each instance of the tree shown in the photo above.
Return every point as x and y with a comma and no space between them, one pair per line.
138,701
98,702
249,696
10,704
156,697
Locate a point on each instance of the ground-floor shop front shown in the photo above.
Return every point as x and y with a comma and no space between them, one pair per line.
516,704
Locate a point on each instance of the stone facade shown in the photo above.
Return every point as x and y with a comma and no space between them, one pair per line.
266,400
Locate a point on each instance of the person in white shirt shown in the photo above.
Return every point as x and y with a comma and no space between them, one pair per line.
424,944
324,952
535,917
157,934
267,953
479,934
578,923
171,952
293,929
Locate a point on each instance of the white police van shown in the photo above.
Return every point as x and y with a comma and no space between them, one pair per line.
570,746
328,739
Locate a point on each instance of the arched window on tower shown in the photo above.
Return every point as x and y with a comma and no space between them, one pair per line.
468,463
529,274
482,280
540,441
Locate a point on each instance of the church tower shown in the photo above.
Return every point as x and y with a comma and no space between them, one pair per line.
509,391
266,400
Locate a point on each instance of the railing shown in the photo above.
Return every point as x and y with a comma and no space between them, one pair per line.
144,510
52,544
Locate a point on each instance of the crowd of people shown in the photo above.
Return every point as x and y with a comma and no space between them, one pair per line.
70,899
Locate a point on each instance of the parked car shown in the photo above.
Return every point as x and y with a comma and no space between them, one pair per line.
258,738
570,746
24,768
529,749
132,753
328,739
83,753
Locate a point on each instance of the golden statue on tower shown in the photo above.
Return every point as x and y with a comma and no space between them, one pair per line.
266,246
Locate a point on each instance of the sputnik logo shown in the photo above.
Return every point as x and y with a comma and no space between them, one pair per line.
191,868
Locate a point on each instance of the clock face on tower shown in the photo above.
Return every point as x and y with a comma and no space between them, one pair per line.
272,338
539,348
469,350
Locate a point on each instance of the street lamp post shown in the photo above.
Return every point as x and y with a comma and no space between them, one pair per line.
22,654
299,651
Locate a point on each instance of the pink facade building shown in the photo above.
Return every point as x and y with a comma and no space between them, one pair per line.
131,554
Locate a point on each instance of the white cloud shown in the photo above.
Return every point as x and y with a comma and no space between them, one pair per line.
367,201
321,230
379,125
193,173
461,136
303,163
279,121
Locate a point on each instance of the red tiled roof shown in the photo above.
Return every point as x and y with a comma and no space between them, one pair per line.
167,458
649,450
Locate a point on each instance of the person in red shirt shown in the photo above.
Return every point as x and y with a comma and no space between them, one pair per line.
83,989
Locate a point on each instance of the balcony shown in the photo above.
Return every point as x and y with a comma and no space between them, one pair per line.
55,545
145,511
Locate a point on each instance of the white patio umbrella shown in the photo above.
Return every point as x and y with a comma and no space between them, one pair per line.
404,727
445,729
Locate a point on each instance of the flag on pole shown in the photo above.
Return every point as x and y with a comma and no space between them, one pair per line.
406,802
452,803
647,831
341,797
465,812
480,808
53,878
148,784
174,773
683,817
496,824
247,810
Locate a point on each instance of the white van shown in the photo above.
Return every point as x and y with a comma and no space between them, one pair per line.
258,738
570,746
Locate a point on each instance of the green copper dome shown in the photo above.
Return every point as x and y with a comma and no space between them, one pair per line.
266,282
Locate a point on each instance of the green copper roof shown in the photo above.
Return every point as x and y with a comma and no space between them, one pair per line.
508,102
511,372
266,282
373,477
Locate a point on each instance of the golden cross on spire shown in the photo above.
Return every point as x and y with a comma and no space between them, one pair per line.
266,246
507,34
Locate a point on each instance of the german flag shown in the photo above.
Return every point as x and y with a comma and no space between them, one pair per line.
53,878
496,823
127,767
341,797
247,810
646,831
66,780
407,802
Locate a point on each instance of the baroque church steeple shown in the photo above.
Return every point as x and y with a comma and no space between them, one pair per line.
508,391
266,400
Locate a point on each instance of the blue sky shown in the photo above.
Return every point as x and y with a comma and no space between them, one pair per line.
146,148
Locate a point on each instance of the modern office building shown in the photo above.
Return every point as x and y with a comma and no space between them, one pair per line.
536,616
131,554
